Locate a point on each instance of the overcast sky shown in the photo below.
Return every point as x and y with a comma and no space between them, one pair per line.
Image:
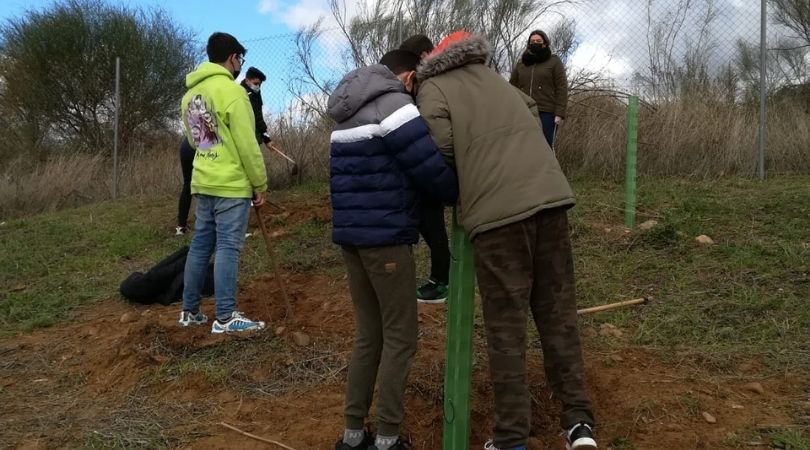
611,34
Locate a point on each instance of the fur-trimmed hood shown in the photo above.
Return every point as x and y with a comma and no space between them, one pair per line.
472,50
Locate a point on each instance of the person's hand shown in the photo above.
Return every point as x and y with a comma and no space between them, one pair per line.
269,145
258,198
558,120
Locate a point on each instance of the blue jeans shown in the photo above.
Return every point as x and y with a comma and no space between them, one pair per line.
221,223
547,121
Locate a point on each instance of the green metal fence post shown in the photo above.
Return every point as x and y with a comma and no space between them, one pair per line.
458,365
630,176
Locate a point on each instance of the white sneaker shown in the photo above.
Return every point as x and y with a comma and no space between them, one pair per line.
188,318
580,437
179,231
236,323
491,446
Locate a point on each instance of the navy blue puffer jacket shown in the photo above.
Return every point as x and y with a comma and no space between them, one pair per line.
382,161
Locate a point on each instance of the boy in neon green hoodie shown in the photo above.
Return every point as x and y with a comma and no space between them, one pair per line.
228,172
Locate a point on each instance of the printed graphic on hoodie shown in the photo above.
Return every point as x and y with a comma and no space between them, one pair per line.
202,124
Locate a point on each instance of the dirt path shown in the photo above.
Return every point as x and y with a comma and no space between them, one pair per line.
129,375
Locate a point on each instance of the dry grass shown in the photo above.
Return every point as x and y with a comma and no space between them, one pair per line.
701,139
76,178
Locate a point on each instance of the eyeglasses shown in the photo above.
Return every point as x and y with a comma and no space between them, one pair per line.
241,59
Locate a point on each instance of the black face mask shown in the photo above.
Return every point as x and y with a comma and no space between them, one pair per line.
536,48
537,53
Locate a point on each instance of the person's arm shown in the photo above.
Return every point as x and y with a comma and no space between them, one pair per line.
406,136
434,110
241,124
560,90
261,126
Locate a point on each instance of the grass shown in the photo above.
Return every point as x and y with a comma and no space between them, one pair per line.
57,261
789,440
743,297
62,260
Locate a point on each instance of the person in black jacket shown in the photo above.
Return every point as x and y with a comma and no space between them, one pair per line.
431,225
187,154
253,85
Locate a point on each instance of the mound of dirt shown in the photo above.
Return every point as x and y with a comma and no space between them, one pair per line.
146,382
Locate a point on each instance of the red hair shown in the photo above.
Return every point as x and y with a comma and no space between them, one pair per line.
452,38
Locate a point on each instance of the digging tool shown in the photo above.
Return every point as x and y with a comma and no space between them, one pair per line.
294,170
638,301
270,252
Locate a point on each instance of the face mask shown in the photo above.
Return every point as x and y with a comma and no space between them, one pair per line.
537,49
255,87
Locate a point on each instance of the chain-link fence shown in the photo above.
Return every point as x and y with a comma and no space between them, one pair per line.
658,49
695,64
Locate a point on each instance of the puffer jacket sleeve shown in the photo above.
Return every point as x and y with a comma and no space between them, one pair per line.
560,88
406,136
514,77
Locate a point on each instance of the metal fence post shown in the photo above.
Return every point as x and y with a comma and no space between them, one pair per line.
763,59
458,366
630,174
115,127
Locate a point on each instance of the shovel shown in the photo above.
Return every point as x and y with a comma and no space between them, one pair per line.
294,170
273,262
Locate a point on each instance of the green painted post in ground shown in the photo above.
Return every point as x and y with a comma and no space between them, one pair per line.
630,174
458,364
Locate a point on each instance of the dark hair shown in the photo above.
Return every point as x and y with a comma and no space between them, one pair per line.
254,73
399,61
221,46
417,44
542,34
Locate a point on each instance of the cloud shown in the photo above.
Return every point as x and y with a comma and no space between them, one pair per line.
592,56
305,13
297,14
267,6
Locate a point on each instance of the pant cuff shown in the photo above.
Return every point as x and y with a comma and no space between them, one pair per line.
355,423
569,420
387,429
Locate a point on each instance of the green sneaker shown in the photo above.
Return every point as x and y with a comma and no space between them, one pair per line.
432,292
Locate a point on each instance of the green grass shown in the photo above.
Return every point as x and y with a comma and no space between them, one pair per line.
53,263
57,261
743,297
789,440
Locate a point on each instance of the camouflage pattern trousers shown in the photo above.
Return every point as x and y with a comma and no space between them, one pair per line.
521,267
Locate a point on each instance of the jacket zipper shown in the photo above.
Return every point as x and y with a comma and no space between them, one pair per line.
531,82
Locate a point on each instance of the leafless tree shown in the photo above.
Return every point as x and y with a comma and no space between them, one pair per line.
380,26
678,53
794,15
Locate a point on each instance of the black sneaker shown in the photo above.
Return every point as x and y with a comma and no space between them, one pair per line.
400,445
432,292
366,444
580,437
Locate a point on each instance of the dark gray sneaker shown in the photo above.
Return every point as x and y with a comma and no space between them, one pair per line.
432,292
366,444
580,437
400,445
